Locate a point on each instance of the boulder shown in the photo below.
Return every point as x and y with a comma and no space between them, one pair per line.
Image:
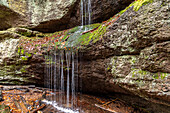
132,58
18,67
132,32
10,18
50,16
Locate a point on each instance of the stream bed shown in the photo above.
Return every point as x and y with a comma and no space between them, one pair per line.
31,99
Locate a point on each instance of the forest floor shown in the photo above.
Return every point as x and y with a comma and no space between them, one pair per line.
31,99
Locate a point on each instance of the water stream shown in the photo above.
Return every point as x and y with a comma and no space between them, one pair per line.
85,12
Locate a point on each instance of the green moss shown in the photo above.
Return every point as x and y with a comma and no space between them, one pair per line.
27,34
136,5
24,58
3,14
140,3
156,76
160,75
94,36
73,30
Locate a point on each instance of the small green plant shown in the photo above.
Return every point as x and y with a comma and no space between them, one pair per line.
27,34
108,68
23,70
24,58
28,54
133,74
22,51
163,75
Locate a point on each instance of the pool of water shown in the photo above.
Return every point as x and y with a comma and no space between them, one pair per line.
22,99
83,103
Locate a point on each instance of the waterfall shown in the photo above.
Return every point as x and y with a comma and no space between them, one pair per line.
85,12
61,74
61,68
73,81
68,77
89,11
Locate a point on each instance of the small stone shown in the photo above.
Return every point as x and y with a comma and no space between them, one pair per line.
165,89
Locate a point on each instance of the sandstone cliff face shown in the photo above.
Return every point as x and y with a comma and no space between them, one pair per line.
134,55
131,58
53,15
36,12
17,68
9,18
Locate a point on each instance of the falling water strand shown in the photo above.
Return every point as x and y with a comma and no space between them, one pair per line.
76,74
82,12
85,13
51,72
4,2
89,12
59,77
55,75
68,80
48,71
73,82
62,75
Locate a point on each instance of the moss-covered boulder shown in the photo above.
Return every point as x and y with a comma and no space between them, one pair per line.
133,31
16,65
132,57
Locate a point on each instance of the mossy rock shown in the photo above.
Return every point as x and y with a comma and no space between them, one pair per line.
136,5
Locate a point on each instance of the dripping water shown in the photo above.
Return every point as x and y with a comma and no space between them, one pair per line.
55,75
61,69
85,13
73,82
89,12
68,77
62,76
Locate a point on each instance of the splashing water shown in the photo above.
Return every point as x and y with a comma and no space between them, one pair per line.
60,71
62,109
